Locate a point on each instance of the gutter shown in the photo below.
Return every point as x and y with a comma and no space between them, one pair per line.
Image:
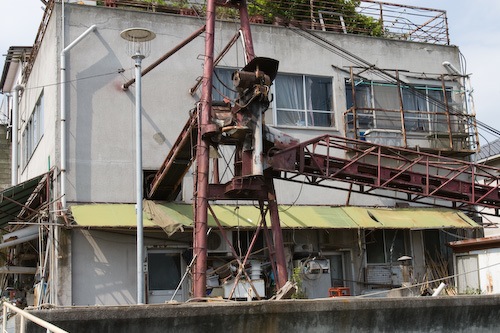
15,134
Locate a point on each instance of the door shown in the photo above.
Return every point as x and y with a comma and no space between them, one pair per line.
165,270
336,270
468,274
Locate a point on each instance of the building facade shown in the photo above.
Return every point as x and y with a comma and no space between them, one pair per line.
77,127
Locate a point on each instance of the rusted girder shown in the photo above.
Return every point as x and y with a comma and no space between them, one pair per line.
419,174
166,182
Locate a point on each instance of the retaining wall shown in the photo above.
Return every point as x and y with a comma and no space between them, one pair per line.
349,314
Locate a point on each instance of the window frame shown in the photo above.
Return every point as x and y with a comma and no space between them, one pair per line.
34,130
385,245
409,115
305,112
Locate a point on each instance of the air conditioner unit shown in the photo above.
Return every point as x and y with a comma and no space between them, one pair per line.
216,243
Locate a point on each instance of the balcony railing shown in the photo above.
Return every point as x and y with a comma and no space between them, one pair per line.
371,17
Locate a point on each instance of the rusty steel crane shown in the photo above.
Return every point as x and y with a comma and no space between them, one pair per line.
263,154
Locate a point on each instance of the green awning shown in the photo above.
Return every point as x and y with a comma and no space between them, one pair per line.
409,218
291,217
14,199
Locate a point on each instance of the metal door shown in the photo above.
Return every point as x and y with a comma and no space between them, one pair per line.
165,270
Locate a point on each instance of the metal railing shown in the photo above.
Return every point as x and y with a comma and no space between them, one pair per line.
26,316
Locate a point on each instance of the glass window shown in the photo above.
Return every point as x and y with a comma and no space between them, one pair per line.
164,271
33,132
415,106
222,84
385,246
378,106
303,100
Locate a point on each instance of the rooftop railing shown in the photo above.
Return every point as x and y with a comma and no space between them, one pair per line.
366,17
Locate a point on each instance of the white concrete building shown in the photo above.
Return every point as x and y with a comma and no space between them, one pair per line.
76,152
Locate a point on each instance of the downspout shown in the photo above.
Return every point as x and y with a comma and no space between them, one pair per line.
63,111
15,136
55,231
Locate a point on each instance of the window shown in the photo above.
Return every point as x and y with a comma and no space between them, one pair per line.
385,246
300,100
222,84
304,101
164,270
33,131
378,107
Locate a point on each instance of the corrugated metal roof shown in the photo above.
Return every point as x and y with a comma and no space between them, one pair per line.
490,150
13,199
475,244
294,217
409,218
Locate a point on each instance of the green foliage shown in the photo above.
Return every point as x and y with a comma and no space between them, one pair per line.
472,291
297,279
156,2
287,11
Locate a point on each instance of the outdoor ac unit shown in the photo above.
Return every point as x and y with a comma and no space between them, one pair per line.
216,243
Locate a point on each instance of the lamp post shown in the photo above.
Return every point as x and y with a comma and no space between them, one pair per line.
138,49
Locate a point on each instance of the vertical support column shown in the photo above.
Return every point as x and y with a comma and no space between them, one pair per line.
447,110
401,111
354,108
138,179
202,158
279,247
247,34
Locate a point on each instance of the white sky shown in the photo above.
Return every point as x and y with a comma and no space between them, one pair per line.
474,27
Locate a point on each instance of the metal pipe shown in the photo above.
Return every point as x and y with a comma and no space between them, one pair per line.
439,289
166,56
202,158
279,248
18,241
217,60
15,134
138,179
247,34
63,142
257,165
27,315
63,109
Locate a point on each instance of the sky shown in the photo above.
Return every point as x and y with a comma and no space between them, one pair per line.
473,25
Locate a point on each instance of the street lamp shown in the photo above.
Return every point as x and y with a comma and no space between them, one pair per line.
139,48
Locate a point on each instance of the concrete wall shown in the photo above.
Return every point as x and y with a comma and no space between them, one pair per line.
488,276
423,314
43,79
103,266
5,152
101,115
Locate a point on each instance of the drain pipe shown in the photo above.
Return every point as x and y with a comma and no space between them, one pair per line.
15,128
63,111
